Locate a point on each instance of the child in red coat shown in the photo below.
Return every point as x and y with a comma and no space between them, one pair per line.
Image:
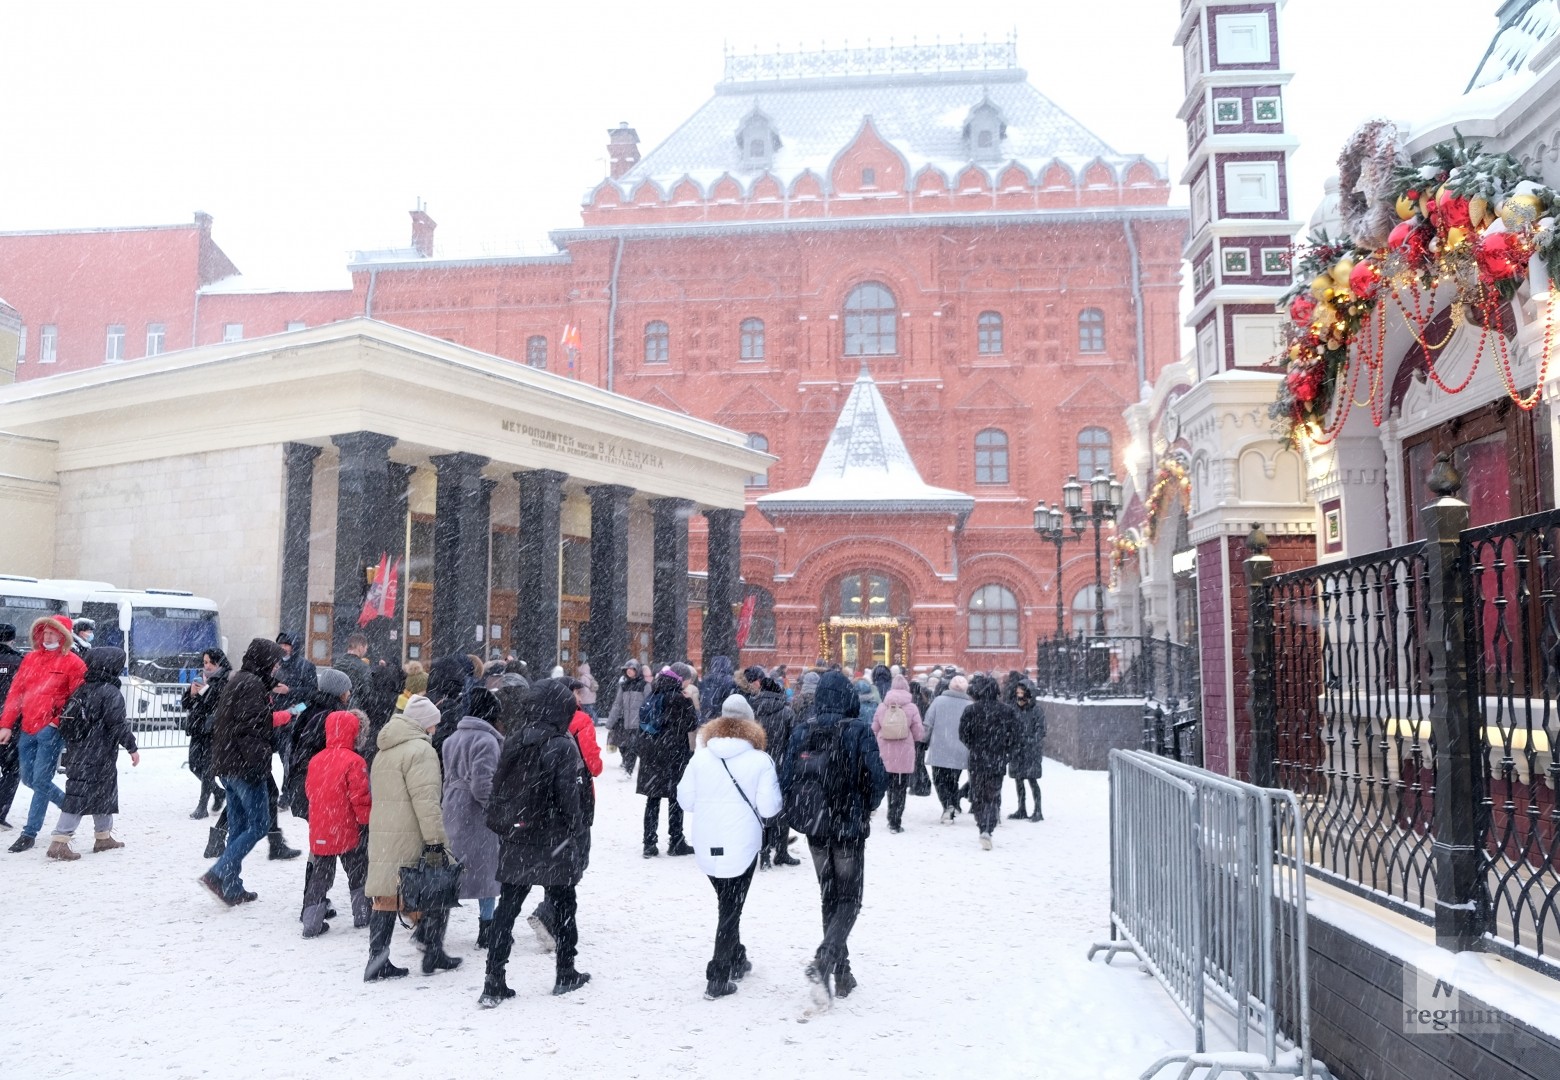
338,811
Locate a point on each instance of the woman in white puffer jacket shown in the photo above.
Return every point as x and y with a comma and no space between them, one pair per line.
729,787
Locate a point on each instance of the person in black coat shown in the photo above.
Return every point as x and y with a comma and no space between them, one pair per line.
1029,748
298,675
989,730
94,727
447,690
542,806
854,783
777,719
200,710
663,755
10,755
241,756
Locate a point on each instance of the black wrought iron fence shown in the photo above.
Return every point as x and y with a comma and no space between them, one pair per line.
1411,699
1160,672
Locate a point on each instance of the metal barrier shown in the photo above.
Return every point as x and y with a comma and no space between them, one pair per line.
1207,894
155,712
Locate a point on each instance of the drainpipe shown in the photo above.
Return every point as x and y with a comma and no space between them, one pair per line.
1137,302
368,301
195,322
612,305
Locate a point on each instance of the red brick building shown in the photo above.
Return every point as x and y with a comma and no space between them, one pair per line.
1006,279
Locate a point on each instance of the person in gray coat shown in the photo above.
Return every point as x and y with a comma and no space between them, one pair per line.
623,717
470,760
945,753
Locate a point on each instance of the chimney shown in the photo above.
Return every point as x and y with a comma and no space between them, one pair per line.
622,148
422,232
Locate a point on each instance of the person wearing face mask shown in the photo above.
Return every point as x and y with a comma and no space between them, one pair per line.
43,682
85,631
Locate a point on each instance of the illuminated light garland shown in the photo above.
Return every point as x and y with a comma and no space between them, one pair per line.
1171,475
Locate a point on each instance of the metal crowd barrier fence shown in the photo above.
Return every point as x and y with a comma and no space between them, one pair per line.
1207,894
155,712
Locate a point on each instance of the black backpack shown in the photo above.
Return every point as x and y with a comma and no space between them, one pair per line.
650,714
529,807
807,797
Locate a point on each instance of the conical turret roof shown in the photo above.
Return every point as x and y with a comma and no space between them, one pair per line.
866,467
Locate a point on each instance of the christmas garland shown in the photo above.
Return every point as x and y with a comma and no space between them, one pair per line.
1466,219
1122,548
1170,479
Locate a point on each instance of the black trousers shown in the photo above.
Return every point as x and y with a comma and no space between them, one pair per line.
730,896
10,772
565,907
320,873
674,822
898,788
946,781
841,869
986,797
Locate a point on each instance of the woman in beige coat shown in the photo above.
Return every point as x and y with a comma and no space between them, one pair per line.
405,820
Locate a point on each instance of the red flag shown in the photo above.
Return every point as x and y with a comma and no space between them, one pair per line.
392,586
376,592
745,619
571,336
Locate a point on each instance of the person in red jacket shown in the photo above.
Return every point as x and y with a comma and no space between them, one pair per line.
583,728
339,803
44,681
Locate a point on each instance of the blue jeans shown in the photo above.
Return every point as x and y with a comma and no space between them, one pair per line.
249,819
485,906
40,756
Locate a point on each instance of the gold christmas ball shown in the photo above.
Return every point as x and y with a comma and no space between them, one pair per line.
1319,286
1341,271
1520,210
1456,236
1406,208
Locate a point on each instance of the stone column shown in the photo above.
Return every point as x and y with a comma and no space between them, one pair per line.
362,508
460,539
486,513
724,564
669,604
535,629
294,612
606,642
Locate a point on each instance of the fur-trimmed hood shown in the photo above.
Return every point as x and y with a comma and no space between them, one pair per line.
61,625
725,734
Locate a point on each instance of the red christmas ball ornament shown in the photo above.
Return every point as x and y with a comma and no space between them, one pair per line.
1453,210
1305,383
1500,255
1401,232
1301,310
1364,279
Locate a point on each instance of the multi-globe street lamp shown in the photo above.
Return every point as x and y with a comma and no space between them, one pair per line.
1104,505
1050,526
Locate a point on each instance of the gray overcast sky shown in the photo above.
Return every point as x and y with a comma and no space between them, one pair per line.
308,128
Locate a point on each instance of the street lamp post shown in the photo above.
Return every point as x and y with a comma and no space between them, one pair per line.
1049,524
1104,504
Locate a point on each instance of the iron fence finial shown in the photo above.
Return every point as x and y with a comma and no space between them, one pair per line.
1257,539
1444,480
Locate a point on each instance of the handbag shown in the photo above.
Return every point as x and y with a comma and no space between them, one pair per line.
745,799
433,884
921,785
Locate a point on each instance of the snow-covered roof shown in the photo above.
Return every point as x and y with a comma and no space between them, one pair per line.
817,108
867,467
295,280
1525,26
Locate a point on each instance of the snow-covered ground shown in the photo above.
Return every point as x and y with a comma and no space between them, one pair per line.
970,963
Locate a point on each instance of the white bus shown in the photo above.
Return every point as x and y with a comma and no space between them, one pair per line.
163,633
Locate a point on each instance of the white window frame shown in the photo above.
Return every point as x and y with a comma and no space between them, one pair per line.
296,324
48,343
114,344
1243,38
233,331
21,347
1208,359
156,338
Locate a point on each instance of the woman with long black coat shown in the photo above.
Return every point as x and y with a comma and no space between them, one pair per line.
1029,748
778,720
94,727
200,710
542,807
988,729
664,753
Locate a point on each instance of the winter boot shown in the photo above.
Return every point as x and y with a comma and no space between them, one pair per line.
105,842
200,810
716,988
23,843
314,923
59,848
360,909
783,856
495,991
743,965
844,981
279,848
216,843
420,934
651,851
680,847
544,935
822,993
569,980
1020,814
763,860
484,932
947,815
218,797
381,926
1037,816
434,956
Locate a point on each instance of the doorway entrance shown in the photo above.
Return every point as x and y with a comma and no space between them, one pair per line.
865,643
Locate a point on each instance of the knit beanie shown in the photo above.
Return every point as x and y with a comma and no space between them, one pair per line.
736,707
422,712
334,683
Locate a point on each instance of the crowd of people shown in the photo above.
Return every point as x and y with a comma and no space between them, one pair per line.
475,780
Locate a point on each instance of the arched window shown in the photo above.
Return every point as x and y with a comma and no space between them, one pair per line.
658,343
988,333
871,321
1093,452
752,339
756,441
993,618
1083,612
866,595
536,352
1091,330
991,457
